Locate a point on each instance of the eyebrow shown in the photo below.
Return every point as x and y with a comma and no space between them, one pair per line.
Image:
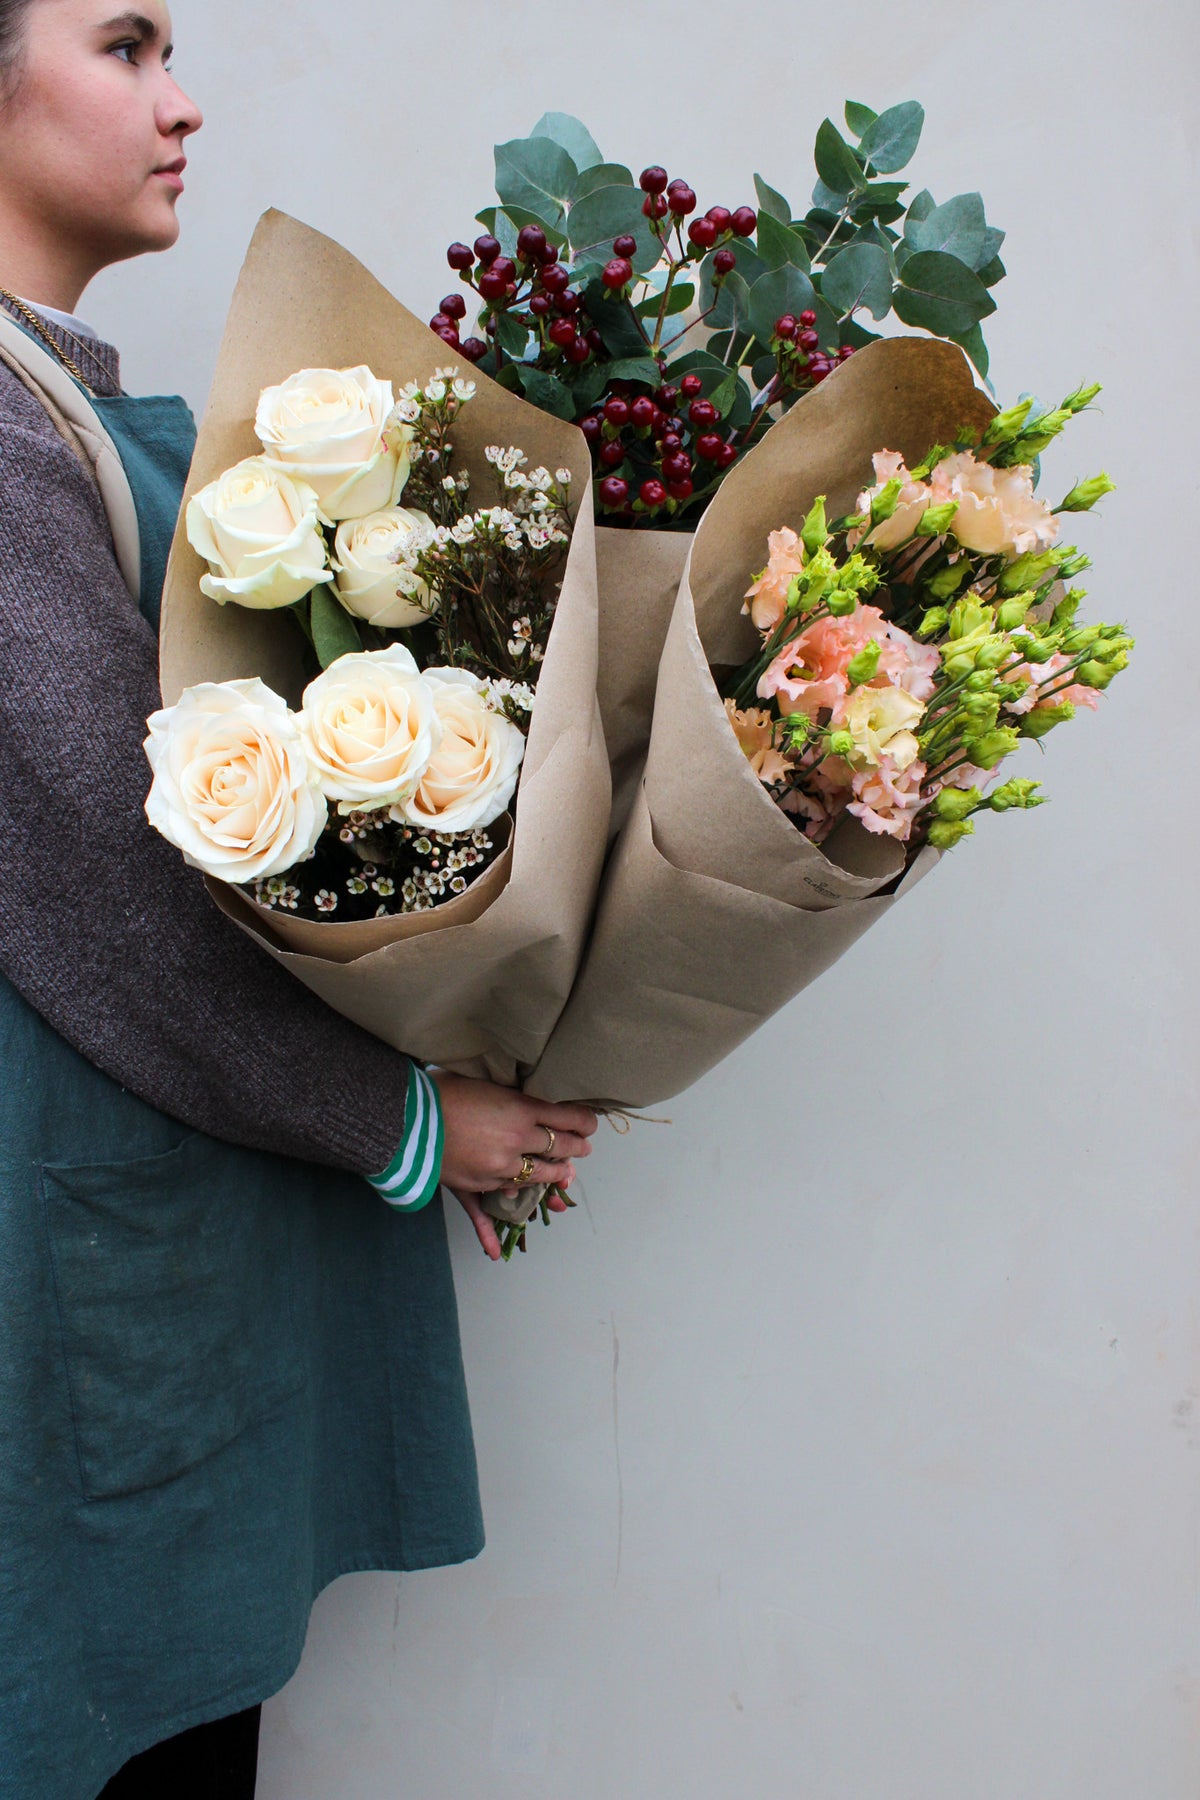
137,24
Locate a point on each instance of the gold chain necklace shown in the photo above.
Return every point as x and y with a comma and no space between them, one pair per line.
31,318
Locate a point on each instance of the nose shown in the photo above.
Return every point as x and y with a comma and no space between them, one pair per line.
178,116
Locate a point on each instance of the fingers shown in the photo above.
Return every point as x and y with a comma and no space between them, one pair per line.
485,1227
549,1174
563,1116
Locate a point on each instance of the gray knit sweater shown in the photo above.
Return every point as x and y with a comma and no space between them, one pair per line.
104,929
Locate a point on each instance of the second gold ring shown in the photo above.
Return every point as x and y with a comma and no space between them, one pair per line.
524,1174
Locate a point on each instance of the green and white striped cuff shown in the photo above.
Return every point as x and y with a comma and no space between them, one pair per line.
411,1178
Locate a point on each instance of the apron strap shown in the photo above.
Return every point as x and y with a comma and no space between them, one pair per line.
78,423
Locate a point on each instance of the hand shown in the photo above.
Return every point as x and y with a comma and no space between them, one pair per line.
490,1130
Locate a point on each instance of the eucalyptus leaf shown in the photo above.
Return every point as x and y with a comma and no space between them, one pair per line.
859,275
605,214
859,117
762,371
542,390
749,267
827,200
940,294
496,220
634,368
837,164
574,138
679,299
993,237
779,291
602,175
922,205
972,342
586,385
519,217
889,141
724,394
537,174
334,632
958,227
511,334
779,244
772,202
992,272
615,322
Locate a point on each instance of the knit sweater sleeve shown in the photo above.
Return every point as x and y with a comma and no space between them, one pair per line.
104,929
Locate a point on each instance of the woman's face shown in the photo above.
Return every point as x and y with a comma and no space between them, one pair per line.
91,140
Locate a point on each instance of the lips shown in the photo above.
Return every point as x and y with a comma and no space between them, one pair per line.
172,173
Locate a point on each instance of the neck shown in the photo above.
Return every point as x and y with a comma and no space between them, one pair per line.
49,273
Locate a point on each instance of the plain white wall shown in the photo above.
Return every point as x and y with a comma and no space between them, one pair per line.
847,1445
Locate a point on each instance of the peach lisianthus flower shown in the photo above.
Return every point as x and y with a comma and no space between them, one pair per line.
768,595
881,720
1041,676
913,498
810,673
755,732
998,512
887,799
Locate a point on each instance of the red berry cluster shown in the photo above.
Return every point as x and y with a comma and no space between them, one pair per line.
653,432
676,200
802,362
536,286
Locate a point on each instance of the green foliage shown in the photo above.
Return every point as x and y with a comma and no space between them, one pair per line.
334,632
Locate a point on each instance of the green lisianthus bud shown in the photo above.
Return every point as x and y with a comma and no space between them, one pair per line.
1117,643
841,743
1012,690
1039,434
1073,563
814,533
935,619
1084,495
864,666
883,504
935,519
856,572
1035,649
1010,614
946,582
924,469
980,712
1007,423
1081,397
1027,571
1042,719
945,833
981,682
956,803
992,747
840,603
1068,606
992,653
1099,674
969,617
958,666
1082,638
1020,793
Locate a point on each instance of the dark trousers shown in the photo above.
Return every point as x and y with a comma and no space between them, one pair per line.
209,1762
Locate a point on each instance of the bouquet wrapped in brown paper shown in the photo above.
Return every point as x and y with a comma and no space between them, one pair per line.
475,982
715,909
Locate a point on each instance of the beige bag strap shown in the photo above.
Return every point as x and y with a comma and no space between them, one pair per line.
78,423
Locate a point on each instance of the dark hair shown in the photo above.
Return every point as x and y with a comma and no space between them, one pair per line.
12,22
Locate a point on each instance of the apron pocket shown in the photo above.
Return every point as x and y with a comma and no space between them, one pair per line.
175,1294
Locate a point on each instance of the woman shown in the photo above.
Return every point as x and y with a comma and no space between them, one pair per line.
229,1370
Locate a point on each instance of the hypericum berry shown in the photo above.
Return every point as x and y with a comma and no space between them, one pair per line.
655,206
616,273
460,256
595,339
703,412
652,180
681,489
643,412
449,336
786,326
744,221
613,491
709,446
567,301
724,262
540,304
487,248
690,386
701,232
492,286
652,493
671,440
808,316
666,396
845,351
808,339
577,350
818,369
504,265
616,411
555,279
562,333
624,245
721,217
472,348
454,306
531,241
726,455
439,320
673,424
591,428
677,466
612,453
681,200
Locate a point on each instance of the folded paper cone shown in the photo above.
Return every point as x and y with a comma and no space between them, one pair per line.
715,910
469,986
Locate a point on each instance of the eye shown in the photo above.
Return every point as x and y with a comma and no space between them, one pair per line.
127,50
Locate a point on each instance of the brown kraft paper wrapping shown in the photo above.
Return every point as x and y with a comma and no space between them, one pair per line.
715,910
475,984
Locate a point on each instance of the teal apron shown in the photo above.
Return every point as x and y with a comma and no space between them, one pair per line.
225,1377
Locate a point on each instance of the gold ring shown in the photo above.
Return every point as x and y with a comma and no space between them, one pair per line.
524,1174
551,1140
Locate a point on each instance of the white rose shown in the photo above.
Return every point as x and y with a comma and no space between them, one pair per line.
373,559
330,428
472,773
232,784
260,534
370,727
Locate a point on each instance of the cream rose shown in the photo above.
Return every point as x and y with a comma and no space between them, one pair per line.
260,534
373,564
370,727
232,784
471,776
881,720
330,428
